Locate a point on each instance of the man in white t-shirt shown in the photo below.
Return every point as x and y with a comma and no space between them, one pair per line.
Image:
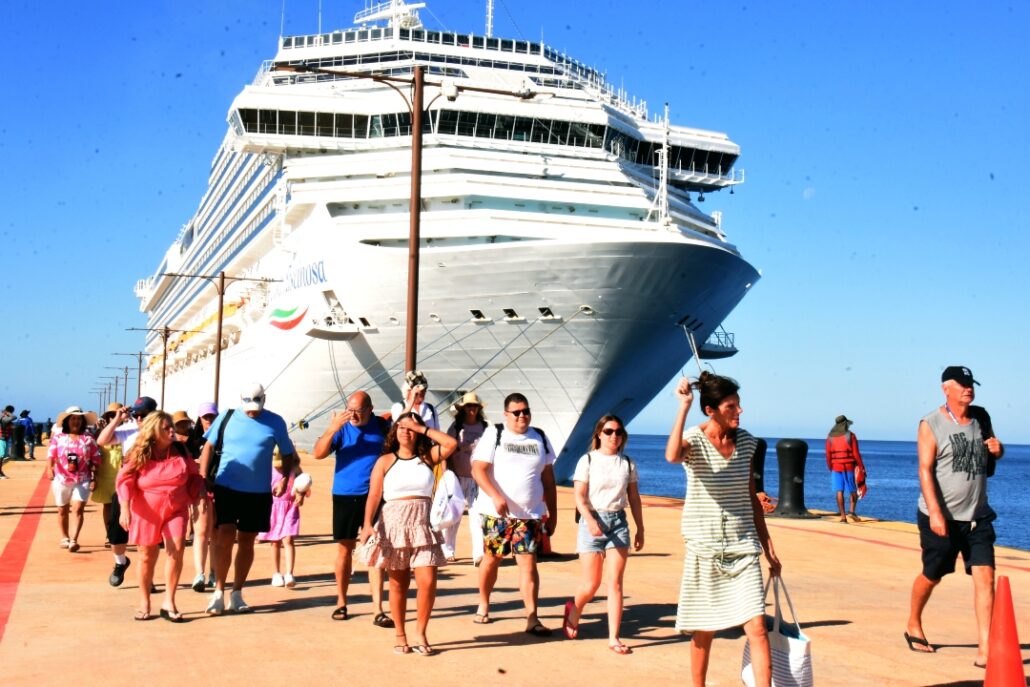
514,469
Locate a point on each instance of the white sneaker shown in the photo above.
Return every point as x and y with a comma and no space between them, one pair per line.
216,606
237,604
277,580
290,581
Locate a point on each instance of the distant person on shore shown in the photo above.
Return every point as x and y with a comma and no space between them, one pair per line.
30,434
468,427
73,457
356,438
404,542
17,444
122,431
842,457
957,448
514,468
203,516
723,527
156,485
606,483
6,432
242,494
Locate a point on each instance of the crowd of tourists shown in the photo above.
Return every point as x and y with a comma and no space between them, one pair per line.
229,479
19,436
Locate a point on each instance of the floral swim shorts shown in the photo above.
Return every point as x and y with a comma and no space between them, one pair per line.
503,536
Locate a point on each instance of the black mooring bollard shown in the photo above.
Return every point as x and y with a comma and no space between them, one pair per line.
758,464
791,455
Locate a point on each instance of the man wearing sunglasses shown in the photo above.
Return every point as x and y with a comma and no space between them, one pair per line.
242,493
122,429
517,501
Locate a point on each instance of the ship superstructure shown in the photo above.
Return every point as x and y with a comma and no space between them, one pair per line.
563,253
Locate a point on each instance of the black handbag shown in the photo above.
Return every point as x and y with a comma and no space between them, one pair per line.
216,454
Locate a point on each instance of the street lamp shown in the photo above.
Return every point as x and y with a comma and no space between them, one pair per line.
139,370
417,108
125,386
219,281
165,333
115,396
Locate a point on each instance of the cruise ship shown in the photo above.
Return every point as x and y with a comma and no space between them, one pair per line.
564,251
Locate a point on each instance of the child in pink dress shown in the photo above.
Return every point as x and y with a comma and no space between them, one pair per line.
284,524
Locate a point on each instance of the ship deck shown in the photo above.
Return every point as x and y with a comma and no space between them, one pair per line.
60,621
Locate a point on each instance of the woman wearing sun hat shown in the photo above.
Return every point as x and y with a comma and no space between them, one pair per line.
468,427
72,461
203,516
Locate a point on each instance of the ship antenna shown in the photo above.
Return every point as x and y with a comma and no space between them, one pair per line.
282,21
660,206
489,18
319,17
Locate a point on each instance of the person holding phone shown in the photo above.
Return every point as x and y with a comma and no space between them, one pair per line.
72,461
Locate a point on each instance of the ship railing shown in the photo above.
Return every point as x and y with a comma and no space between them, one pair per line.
722,338
714,177
263,70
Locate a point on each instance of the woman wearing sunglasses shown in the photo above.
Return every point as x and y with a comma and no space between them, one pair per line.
606,482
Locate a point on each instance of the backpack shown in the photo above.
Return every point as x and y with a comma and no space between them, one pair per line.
216,454
500,428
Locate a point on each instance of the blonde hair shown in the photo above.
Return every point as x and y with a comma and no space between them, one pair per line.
142,450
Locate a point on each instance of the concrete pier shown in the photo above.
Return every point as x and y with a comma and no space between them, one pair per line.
61,622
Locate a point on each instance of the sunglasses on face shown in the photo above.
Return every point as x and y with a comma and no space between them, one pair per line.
608,431
520,412
253,399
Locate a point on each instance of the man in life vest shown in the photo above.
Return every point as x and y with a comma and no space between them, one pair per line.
842,457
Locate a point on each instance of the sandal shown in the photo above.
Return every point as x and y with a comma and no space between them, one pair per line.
141,615
481,619
340,613
402,648
171,616
538,630
570,630
620,648
73,546
919,641
424,650
382,620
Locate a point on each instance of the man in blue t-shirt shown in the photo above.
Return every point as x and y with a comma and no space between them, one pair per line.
242,493
356,436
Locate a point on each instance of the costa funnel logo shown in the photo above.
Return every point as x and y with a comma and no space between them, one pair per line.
286,319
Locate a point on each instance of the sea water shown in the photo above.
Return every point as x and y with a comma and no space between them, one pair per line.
893,481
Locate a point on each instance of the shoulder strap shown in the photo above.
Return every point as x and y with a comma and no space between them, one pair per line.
221,430
547,446
500,428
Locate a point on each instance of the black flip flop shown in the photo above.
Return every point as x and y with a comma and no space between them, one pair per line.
340,613
918,641
171,616
539,630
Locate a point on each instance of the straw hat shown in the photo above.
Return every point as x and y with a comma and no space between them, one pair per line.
470,399
91,418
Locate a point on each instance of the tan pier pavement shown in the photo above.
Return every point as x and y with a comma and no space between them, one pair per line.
61,622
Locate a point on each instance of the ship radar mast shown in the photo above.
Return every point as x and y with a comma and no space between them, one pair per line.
489,18
394,12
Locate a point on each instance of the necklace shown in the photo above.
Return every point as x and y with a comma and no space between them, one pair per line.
954,419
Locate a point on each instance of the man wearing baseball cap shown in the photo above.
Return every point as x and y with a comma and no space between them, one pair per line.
957,448
243,500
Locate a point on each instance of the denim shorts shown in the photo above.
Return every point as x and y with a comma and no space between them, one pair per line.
615,531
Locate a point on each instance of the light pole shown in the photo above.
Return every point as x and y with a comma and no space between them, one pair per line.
416,107
116,378
125,387
219,281
165,333
139,370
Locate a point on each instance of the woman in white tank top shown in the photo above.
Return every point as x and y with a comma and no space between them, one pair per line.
401,539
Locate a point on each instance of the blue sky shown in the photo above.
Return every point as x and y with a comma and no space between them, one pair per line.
885,147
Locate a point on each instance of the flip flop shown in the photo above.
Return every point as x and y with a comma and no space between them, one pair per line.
979,665
424,650
918,641
402,649
171,616
620,648
571,631
481,619
382,620
142,615
340,613
539,630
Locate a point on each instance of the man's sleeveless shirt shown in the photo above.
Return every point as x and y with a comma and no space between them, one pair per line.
961,471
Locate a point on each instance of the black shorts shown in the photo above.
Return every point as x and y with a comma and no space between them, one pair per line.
246,511
974,540
348,516
116,534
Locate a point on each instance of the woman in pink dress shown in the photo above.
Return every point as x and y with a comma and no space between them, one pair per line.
156,485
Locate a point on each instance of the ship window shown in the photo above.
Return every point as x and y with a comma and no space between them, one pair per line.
448,39
362,35
325,124
306,123
361,126
521,46
448,122
418,35
389,124
559,132
250,120
345,125
466,123
479,316
268,121
462,40
521,129
492,43
432,36
287,123
376,34
507,45
477,41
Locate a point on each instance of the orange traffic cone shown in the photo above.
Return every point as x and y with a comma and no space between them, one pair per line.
1004,661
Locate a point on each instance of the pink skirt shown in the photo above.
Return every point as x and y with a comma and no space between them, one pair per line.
403,538
285,521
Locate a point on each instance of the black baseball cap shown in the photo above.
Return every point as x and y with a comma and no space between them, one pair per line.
143,406
959,373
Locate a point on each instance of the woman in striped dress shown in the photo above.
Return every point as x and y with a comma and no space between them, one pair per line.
723,526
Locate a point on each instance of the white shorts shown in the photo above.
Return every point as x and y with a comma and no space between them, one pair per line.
65,493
